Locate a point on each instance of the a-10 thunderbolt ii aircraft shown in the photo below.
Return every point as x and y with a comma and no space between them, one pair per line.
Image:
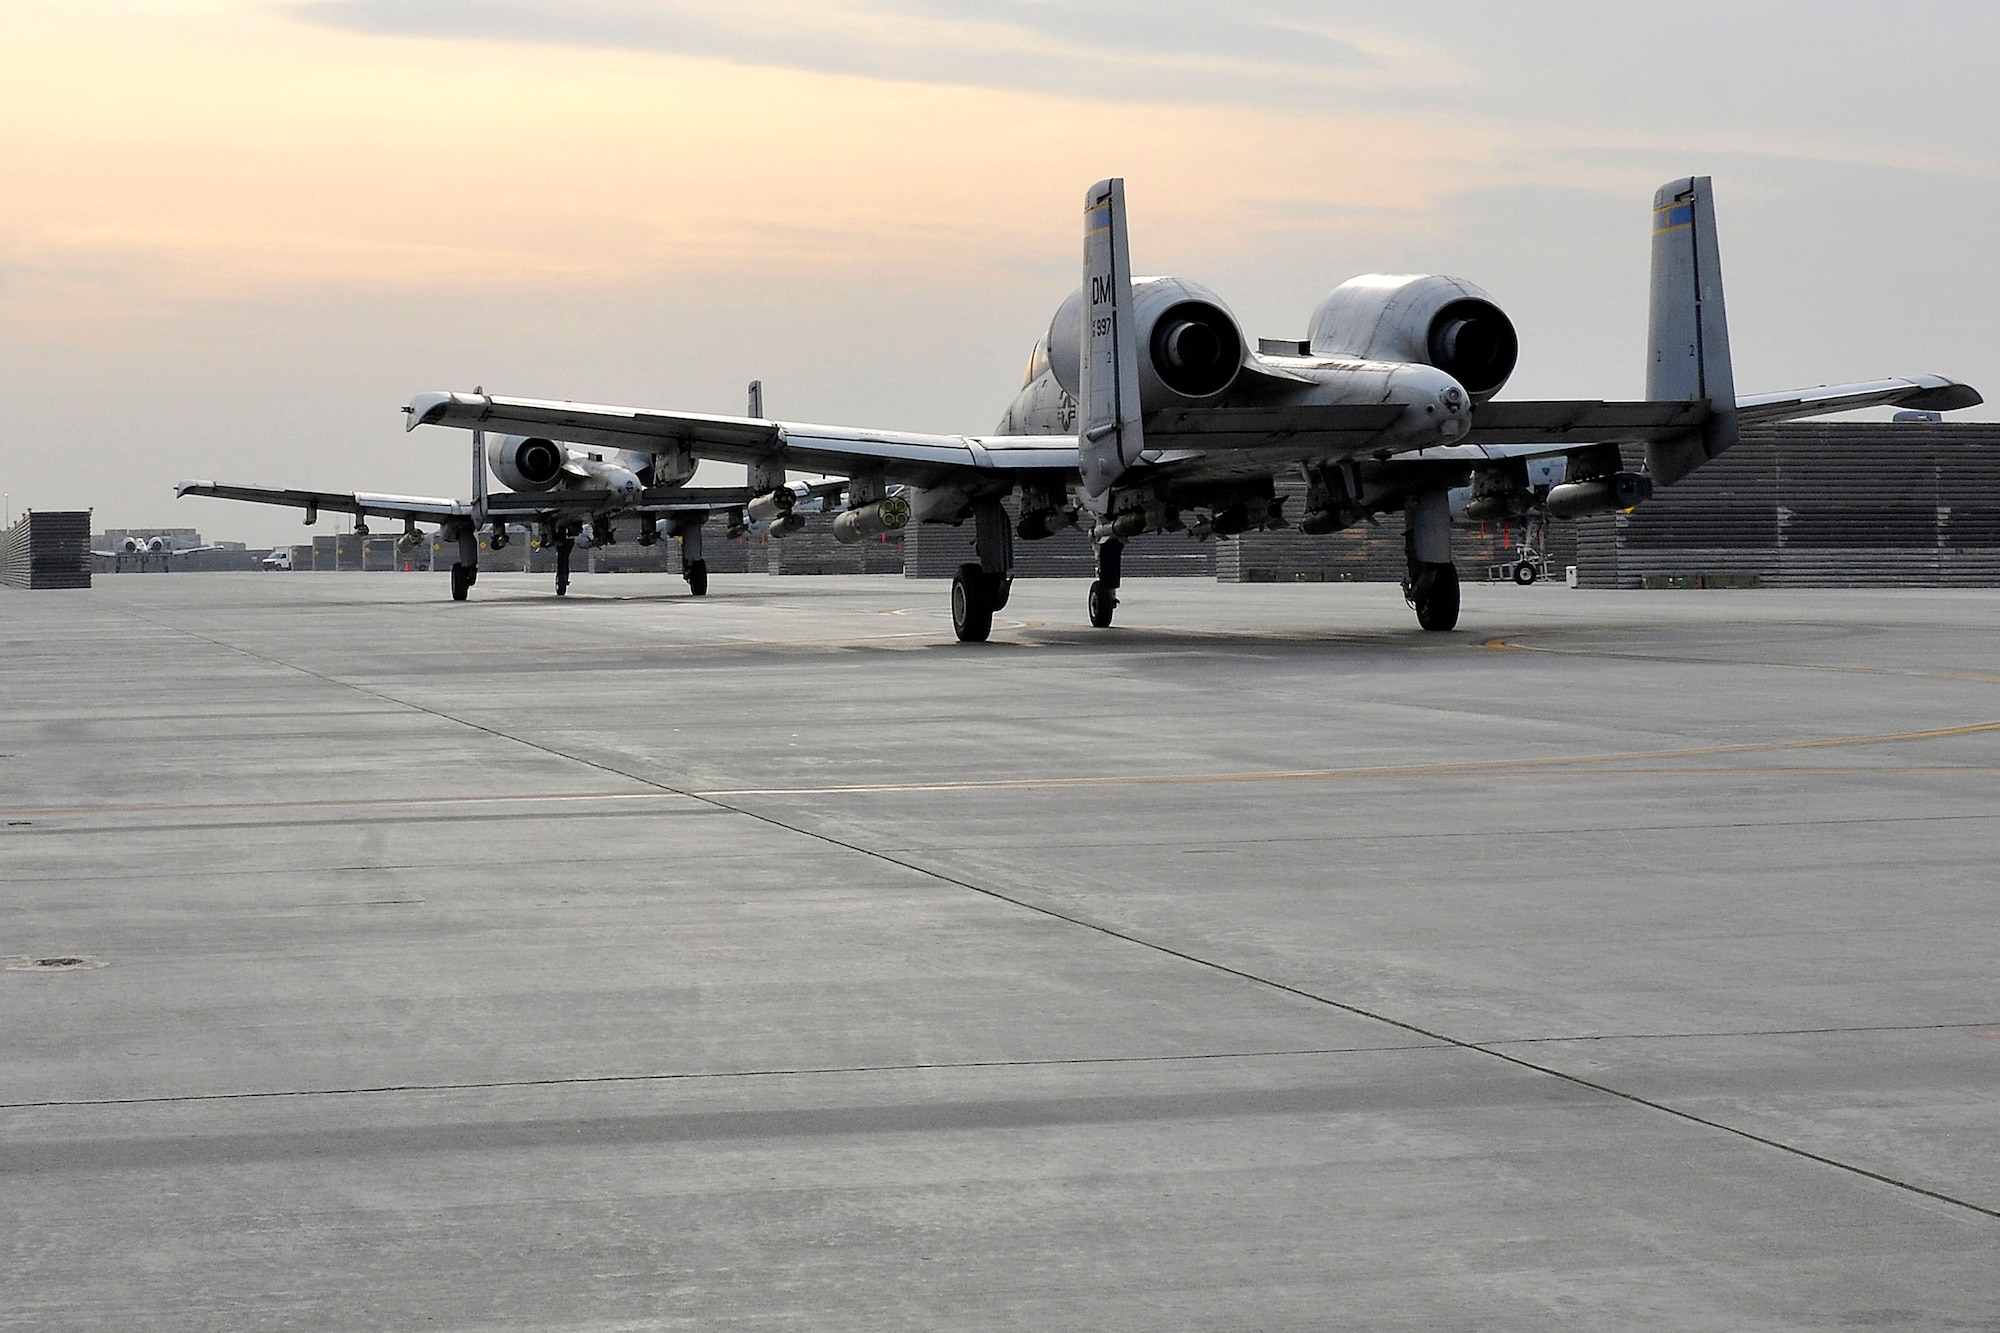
1146,409
560,489
140,550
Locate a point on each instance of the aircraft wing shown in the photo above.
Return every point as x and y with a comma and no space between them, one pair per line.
527,506
1514,429
361,504
899,456
1923,393
1188,440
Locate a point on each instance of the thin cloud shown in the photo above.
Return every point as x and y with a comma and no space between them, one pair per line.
1123,52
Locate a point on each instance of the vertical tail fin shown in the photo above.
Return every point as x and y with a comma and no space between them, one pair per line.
756,403
1687,352
479,468
1109,435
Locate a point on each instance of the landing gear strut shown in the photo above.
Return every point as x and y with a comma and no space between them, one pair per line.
565,544
1104,588
979,589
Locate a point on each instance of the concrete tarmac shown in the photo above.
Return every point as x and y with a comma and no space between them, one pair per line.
770,960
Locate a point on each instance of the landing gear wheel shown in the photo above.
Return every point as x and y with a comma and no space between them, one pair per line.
971,604
460,583
1525,573
1435,596
1103,601
696,575
999,587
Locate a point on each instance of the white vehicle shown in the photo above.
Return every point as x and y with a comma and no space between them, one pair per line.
1146,409
278,559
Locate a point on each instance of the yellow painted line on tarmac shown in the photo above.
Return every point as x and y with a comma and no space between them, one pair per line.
1367,773
1506,645
1382,772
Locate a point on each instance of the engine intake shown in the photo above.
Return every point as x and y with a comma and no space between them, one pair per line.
526,462
1191,346
1196,349
1475,344
1443,322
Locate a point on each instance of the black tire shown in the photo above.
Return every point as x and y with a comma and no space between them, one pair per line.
697,578
971,604
1103,601
1436,597
1525,573
999,587
460,584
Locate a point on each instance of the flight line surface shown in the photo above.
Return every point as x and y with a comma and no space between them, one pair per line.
771,960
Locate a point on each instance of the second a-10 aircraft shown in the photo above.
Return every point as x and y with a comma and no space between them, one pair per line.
1147,409
563,492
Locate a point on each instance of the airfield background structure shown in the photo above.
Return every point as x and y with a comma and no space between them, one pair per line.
50,549
1848,504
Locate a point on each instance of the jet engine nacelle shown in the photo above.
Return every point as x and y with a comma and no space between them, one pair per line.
525,462
1190,346
1435,321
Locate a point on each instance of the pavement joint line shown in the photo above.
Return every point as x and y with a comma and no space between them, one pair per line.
718,1075
1049,1062
1167,950
1415,1029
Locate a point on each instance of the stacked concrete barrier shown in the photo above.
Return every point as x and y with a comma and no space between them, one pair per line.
47,550
1830,504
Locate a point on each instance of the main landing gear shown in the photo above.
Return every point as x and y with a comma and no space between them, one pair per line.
980,588
465,569
1431,586
1104,588
975,596
1434,594
693,567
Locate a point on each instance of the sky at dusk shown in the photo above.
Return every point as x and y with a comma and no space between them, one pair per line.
236,236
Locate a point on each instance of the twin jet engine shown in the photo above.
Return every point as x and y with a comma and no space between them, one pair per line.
1192,349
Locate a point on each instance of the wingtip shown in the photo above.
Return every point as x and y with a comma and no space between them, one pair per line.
425,409
1942,395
